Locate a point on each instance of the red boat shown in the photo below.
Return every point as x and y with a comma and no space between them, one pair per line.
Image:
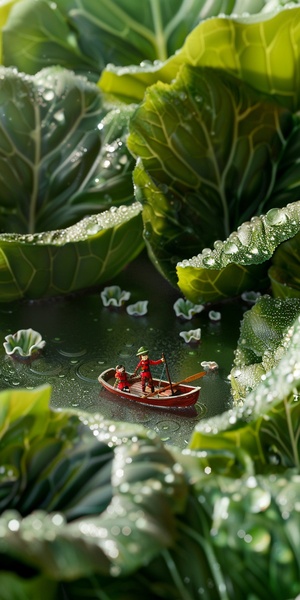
166,395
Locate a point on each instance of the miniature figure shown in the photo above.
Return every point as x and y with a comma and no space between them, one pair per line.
144,365
121,382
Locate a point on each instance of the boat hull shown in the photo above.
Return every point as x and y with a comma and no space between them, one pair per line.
184,395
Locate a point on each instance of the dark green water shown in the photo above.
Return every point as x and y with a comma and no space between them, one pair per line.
83,338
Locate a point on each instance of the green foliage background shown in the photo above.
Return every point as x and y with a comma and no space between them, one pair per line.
176,125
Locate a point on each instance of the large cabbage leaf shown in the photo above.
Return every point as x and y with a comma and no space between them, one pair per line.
262,50
147,514
77,489
86,35
62,156
59,262
59,146
209,147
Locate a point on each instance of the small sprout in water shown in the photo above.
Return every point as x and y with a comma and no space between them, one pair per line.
194,335
250,297
138,309
25,343
186,309
114,296
214,315
209,365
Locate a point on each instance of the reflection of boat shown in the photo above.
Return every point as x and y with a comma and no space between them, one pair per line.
177,395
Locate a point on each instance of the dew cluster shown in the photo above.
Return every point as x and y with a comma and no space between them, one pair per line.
254,241
85,228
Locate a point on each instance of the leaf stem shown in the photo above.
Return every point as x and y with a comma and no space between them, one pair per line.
184,594
208,549
291,432
162,53
35,174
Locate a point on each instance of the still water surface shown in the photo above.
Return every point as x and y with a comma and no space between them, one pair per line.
83,338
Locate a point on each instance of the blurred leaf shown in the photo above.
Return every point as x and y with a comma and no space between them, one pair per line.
167,523
5,8
18,588
251,523
86,35
114,485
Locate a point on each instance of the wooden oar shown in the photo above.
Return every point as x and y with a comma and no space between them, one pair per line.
174,385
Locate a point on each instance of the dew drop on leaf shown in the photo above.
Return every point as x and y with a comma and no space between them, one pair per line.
275,216
48,95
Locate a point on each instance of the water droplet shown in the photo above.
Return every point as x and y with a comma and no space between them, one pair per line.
48,95
230,248
276,216
59,116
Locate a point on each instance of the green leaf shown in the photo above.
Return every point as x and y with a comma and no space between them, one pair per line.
62,154
285,271
12,410
262,50
5,8
172,514
263,336
59,262
250,523
86,35
267,424
62,157
209,276
14,587
113,483
205,166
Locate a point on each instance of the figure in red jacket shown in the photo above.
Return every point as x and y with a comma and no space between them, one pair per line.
121,382
144,365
